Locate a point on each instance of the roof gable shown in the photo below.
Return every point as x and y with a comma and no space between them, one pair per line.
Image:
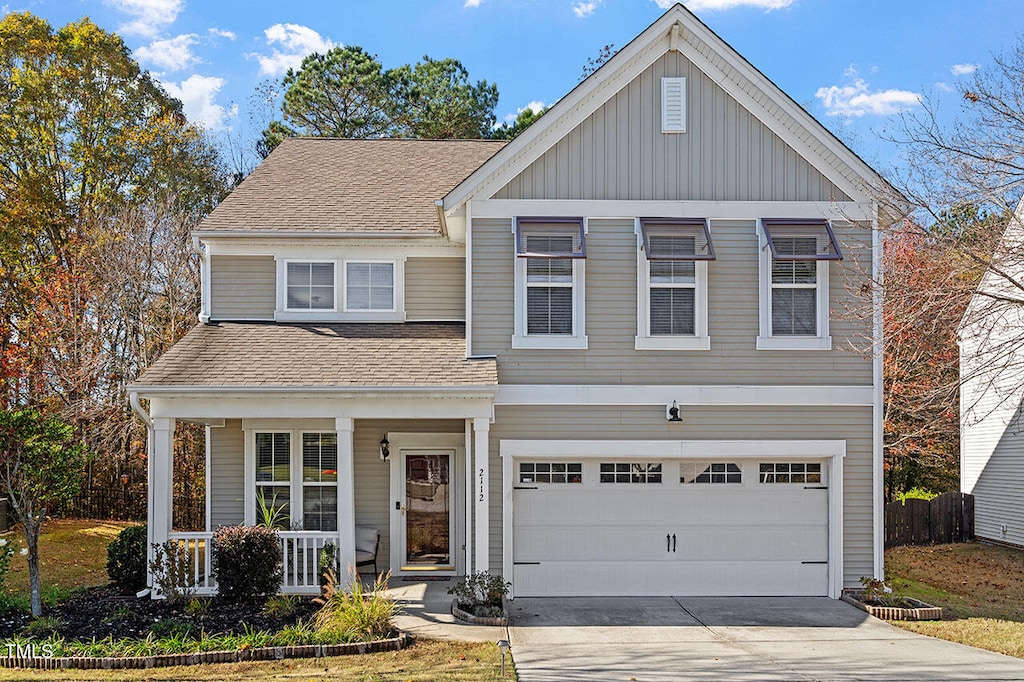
676,30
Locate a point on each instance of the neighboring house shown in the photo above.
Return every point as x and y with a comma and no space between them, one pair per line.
625,354
991,339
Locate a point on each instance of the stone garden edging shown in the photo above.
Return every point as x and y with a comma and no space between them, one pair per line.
480,620
270,653
919,611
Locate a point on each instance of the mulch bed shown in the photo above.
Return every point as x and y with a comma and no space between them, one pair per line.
103,612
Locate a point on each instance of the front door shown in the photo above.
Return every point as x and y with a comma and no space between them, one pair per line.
427,502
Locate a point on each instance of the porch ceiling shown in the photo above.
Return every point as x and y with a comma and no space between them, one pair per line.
314,355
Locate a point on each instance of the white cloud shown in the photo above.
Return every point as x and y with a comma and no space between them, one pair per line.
857,98
715,5
584,9
472,3
944,87
293,42
536,106
963,69
172,54
220,33
197,94
149,16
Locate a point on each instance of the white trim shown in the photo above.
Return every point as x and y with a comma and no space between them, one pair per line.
507,510
613,394
673,91
850,211
644,340
397,311
208,478
344,428
399,443
283,311
276,407
333,235
765,339
578,338
878,413
332,248
469,280
468,495
833,450
482,493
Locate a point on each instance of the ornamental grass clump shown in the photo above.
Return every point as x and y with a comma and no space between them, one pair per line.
355,614
247,563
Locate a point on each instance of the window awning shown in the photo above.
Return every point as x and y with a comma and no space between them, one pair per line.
677,239
801,239
550,238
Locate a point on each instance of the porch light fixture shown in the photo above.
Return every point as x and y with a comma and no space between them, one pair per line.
385,451
673,413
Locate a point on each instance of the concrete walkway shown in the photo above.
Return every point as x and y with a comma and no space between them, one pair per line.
665,638
426,613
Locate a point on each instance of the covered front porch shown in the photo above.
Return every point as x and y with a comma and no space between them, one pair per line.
368,440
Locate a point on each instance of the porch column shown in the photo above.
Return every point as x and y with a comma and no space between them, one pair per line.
161,479
346,498
482,493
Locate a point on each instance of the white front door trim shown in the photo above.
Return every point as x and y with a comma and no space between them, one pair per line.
833,451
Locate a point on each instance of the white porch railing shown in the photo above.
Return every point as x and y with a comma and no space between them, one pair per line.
300,551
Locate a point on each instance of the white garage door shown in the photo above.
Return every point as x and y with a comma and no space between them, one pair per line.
726,527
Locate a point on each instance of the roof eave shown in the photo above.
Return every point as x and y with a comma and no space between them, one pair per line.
454,390
317,234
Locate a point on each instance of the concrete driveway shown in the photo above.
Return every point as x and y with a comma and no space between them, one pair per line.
718,638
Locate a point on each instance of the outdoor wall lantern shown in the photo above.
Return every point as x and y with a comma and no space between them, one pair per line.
385,450
673,413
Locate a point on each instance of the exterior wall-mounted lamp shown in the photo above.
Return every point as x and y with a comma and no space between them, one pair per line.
673,413
385,449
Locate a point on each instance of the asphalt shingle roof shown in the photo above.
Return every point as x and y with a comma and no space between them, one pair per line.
342,185
322,355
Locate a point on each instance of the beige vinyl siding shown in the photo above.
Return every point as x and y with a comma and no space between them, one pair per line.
227,474
243,287
619,151
373,477
706,423
611,325
435,289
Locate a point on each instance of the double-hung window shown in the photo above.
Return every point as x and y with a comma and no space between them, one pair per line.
549,289
273,478
296,479
320,481
794,310
309,285
672,291
370,287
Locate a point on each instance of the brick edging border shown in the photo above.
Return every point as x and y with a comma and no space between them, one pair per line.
921,611
480,620
270,653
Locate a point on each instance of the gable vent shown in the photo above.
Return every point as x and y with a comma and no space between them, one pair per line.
673,105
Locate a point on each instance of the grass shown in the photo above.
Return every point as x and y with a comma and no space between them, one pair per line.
72,554
979,587
431,660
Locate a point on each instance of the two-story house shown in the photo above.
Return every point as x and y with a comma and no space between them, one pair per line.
627,353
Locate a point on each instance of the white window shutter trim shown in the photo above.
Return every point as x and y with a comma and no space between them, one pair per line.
673,105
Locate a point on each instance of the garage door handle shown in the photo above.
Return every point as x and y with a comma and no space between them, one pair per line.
668,542
673,542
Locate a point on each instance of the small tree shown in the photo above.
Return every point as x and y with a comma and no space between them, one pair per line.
40,465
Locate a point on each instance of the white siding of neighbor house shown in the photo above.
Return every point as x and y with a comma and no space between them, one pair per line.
435,289
242,287
611,324
620,152
852,424
372,476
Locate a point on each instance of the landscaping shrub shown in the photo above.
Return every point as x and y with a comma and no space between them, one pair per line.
247,562
480,594
172,571
126,559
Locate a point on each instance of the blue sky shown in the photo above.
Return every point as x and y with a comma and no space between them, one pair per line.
853,63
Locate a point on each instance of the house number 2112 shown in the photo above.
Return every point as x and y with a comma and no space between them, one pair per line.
481,485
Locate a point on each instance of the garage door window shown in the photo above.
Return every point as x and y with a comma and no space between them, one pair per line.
627,472
550,472
790,472
713,472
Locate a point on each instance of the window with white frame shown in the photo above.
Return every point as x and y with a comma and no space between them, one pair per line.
549,283
630,472
309,285
320,481
672,287
789,472
369,286
273,478
794,310
551,472
710,472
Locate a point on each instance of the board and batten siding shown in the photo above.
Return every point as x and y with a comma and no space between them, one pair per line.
852,424
611,315
620,152
227,474
435,289
243,287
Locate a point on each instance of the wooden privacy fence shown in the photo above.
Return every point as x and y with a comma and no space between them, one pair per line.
947,518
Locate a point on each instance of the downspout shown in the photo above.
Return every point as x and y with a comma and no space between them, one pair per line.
439,205
133,400
204,279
